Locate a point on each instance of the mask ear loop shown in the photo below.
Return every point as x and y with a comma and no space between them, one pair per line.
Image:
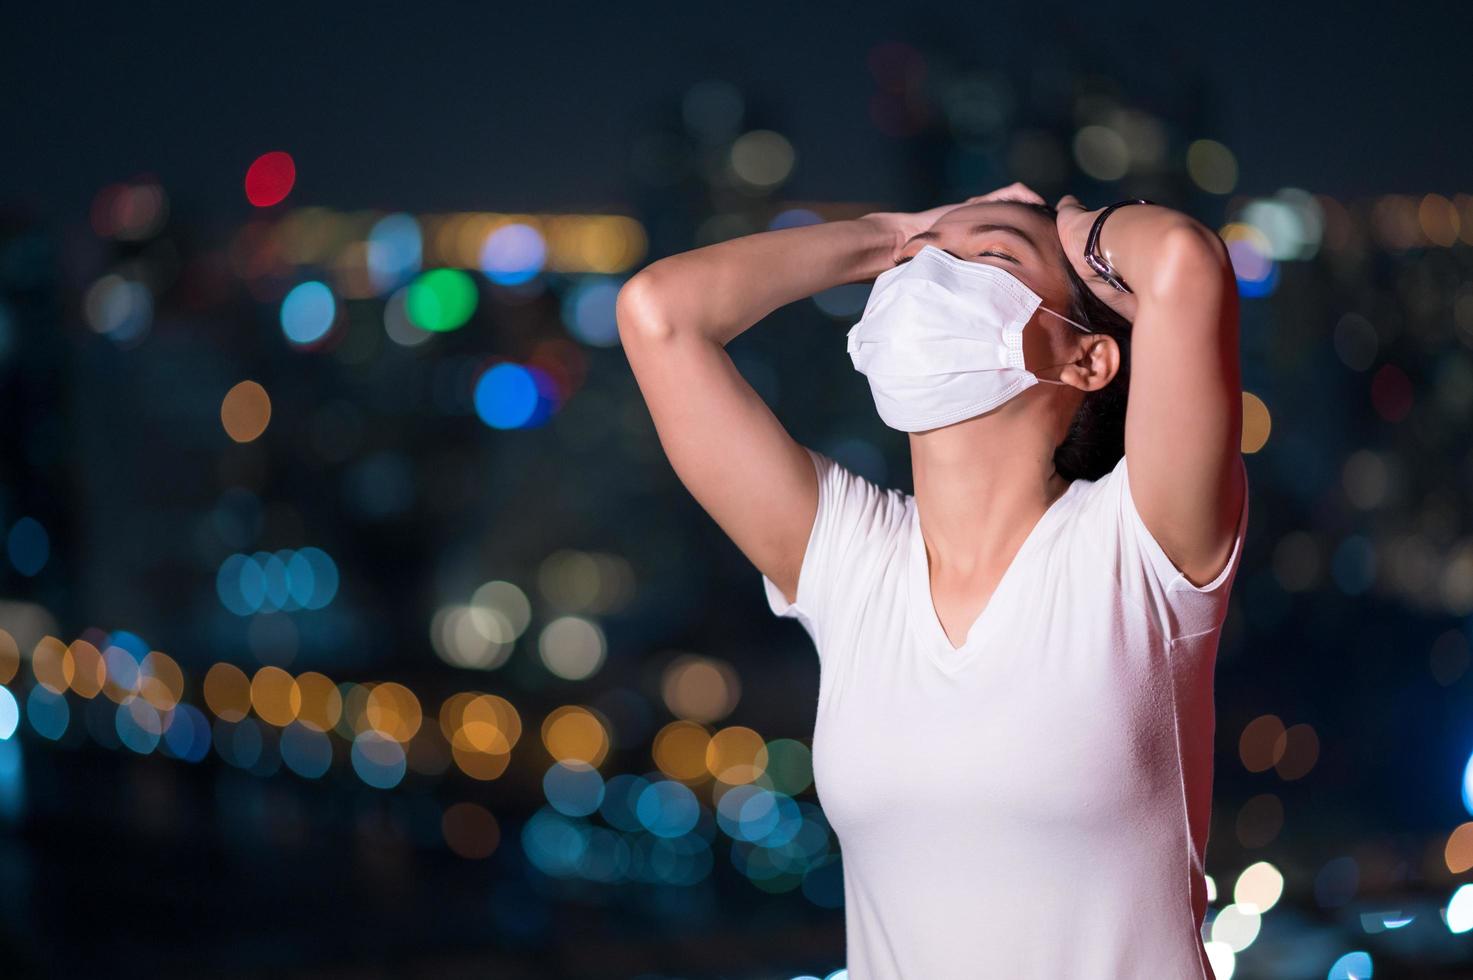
1076,323
1066,319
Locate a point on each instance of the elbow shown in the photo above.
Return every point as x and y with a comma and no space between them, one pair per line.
1194,261
638,311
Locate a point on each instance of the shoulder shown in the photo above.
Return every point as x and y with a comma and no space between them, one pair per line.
857,529
1114,533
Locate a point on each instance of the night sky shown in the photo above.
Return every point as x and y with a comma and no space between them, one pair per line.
504,106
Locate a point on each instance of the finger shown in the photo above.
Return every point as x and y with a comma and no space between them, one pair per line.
1020,189
1017,190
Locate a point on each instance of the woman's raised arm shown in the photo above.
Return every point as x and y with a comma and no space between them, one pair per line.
1184,418
675,317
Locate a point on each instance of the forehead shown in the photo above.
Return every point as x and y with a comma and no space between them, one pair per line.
1040,228
1044,270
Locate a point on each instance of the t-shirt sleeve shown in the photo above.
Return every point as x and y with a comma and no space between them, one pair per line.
1183,607
854,517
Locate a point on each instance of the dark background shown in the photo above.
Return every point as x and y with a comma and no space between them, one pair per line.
1350,615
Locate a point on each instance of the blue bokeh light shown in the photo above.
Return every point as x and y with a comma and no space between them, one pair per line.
794,218
588,310
573,789
621,795
667,808
554,843
12,781
506,396
513,254
607,858
685,860
9,713
47,712
378,761
1354,965
308,312
1468,785
187,735
139,726
122,667
395,252
238,743
28,546
285,580
306,751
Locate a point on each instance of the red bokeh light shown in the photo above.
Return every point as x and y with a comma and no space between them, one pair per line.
270,178
1391,393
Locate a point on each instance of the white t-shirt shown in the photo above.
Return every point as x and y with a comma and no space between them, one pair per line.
1034,803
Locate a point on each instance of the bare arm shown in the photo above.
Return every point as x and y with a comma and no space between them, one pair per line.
1183,426
675,318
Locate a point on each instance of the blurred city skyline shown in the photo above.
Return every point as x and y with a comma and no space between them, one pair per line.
1349,102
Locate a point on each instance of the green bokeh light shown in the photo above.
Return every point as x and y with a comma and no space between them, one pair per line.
441,299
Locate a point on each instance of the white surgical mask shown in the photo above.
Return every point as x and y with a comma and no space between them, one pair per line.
941,340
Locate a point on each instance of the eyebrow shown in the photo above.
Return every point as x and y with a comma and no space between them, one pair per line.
984,227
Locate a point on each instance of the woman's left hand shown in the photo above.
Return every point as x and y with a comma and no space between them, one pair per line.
1074,222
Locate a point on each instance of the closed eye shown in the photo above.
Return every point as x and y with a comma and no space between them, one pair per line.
990,251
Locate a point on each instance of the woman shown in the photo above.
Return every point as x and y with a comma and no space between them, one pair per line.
1015,718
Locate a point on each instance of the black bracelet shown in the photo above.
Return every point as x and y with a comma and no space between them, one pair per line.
1092,256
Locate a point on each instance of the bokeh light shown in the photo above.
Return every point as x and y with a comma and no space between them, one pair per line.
245,411
574,734
270,178
588,310
1260,886
227,691
511,396
513,254
9,656
1355,965
573,788
470,830
700,689
28,546
441,300
1212,166
762,158
1257,423
308,313
119,309
1101,152
572,647
395,252
9,713
306,751
377,760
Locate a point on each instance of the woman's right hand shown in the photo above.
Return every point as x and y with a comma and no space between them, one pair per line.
902,226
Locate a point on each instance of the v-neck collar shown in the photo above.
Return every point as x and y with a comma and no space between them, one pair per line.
933,638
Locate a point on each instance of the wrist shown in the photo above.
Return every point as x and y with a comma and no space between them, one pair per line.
1098,257
878,240
1131,240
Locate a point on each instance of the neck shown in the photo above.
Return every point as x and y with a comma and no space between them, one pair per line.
980,487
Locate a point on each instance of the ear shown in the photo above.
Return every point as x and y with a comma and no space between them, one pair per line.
1096,361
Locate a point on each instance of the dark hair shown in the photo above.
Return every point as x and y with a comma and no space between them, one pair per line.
1096,438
